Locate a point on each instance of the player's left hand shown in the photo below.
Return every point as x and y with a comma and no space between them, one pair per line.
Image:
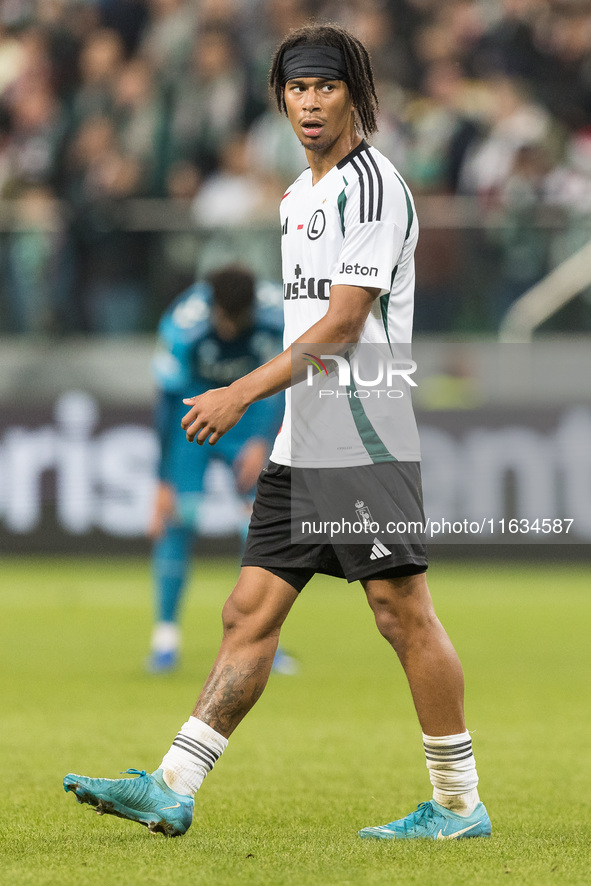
212,414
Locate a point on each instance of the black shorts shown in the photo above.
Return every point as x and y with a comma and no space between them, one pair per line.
396,486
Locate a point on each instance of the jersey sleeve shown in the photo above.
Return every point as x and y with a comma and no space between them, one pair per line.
375,224
171,372
181,326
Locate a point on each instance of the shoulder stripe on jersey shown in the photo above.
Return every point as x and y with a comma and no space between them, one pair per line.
380,186
365,165
370,180
361,191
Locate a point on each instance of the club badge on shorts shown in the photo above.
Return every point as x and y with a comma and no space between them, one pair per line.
363,512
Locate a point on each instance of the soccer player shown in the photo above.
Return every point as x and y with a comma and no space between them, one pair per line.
216,331
349,231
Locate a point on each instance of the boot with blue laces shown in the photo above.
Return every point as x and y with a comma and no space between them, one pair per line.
432,821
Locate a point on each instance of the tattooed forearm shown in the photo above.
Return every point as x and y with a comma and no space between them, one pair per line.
230,691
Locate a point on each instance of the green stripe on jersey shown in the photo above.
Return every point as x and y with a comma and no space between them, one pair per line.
369,436
409,209
385,299
341,203
385,304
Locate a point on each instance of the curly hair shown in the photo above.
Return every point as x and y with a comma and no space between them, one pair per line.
359,71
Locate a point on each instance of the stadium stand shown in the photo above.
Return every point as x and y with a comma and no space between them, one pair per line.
107,106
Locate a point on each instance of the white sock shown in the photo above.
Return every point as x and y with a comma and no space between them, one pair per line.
452,770
192,755
166,637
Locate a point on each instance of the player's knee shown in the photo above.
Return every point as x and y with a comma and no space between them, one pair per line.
386,623
233,616
244,620
402,625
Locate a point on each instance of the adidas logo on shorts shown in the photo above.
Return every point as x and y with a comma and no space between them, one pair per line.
379,550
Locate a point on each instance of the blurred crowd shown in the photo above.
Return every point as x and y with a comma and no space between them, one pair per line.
106,100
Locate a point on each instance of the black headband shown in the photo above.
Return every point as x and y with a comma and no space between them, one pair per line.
312,60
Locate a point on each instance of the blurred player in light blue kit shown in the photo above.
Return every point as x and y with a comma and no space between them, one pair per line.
215,332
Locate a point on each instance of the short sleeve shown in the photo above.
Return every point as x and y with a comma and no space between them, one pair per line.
375,227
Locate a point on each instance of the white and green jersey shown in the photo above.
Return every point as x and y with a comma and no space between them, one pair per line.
357,226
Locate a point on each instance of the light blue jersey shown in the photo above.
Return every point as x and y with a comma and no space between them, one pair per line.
190,358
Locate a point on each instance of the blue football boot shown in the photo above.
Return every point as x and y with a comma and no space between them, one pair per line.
432,821
146,799
162,662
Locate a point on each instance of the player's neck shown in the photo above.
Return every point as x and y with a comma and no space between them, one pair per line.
321,162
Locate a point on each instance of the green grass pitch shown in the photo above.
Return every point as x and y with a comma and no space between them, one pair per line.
321,755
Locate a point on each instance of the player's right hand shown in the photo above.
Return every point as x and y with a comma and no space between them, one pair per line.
212,414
